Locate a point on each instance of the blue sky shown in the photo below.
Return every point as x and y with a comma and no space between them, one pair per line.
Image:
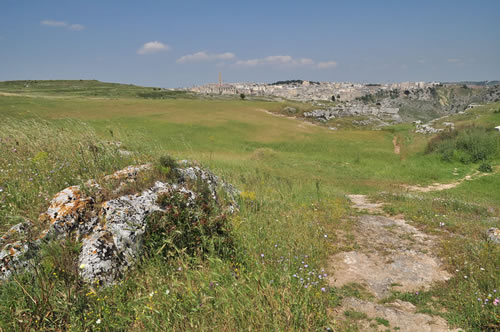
182,43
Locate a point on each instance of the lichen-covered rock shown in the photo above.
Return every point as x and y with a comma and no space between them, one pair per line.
494,235
195,173
15,253
129,173
111,232
70,212
117,241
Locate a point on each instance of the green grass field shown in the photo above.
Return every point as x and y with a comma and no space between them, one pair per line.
295,177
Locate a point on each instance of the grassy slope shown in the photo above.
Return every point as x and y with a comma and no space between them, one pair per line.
298,174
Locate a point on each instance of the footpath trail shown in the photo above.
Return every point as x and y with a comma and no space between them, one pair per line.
444,186
392,255
397,146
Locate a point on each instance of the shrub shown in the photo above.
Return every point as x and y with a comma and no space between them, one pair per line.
467,145
192,226
485,167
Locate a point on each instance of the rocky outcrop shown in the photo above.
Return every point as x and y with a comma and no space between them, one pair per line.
427,129
111,232
373,112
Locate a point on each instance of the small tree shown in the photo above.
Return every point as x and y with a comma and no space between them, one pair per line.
242,96
333,98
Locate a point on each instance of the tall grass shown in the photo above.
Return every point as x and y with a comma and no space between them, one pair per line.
274,279
39,158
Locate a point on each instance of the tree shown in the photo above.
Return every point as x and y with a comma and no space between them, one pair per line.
242,96
333,98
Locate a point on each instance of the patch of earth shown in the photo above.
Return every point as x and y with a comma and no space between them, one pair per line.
392,256
397,147
444,186
399,314
360,202
304,122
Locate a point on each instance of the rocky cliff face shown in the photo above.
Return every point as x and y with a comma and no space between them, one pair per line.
394,106
111,232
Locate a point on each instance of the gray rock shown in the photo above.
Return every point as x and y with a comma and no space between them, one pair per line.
112,233
493,235
16,254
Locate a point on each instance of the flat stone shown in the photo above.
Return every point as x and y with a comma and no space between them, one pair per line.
399,314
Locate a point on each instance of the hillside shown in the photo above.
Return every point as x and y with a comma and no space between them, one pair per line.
309,198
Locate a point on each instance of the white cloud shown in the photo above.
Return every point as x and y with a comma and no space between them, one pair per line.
62,24
153,47
204,56
306,61
326,64
52,23
76,27
270,60
286,60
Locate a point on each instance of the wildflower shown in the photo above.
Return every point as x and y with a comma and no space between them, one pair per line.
179,269
167,292
481,269
82,266
151,294
1,189
323,289
496,301
465,277
261,255
98,321
441,224
294,275
306,266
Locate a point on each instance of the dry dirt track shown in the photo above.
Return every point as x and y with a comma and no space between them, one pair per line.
392,255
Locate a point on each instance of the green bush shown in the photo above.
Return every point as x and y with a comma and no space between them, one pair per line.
190,225
485,167
467,145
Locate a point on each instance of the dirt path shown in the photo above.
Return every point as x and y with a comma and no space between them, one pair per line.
444,186
397,147
392,256
303,121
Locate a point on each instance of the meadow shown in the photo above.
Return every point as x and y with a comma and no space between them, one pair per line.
294,178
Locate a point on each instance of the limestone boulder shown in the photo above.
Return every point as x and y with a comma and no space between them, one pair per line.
111,232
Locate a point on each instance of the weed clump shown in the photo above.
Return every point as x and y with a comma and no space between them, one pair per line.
485,168
190,224
168,167
467,145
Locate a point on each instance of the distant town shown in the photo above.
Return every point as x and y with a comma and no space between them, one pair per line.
301,90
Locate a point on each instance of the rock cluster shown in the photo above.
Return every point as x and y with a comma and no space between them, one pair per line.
111,233
386,113
426,129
